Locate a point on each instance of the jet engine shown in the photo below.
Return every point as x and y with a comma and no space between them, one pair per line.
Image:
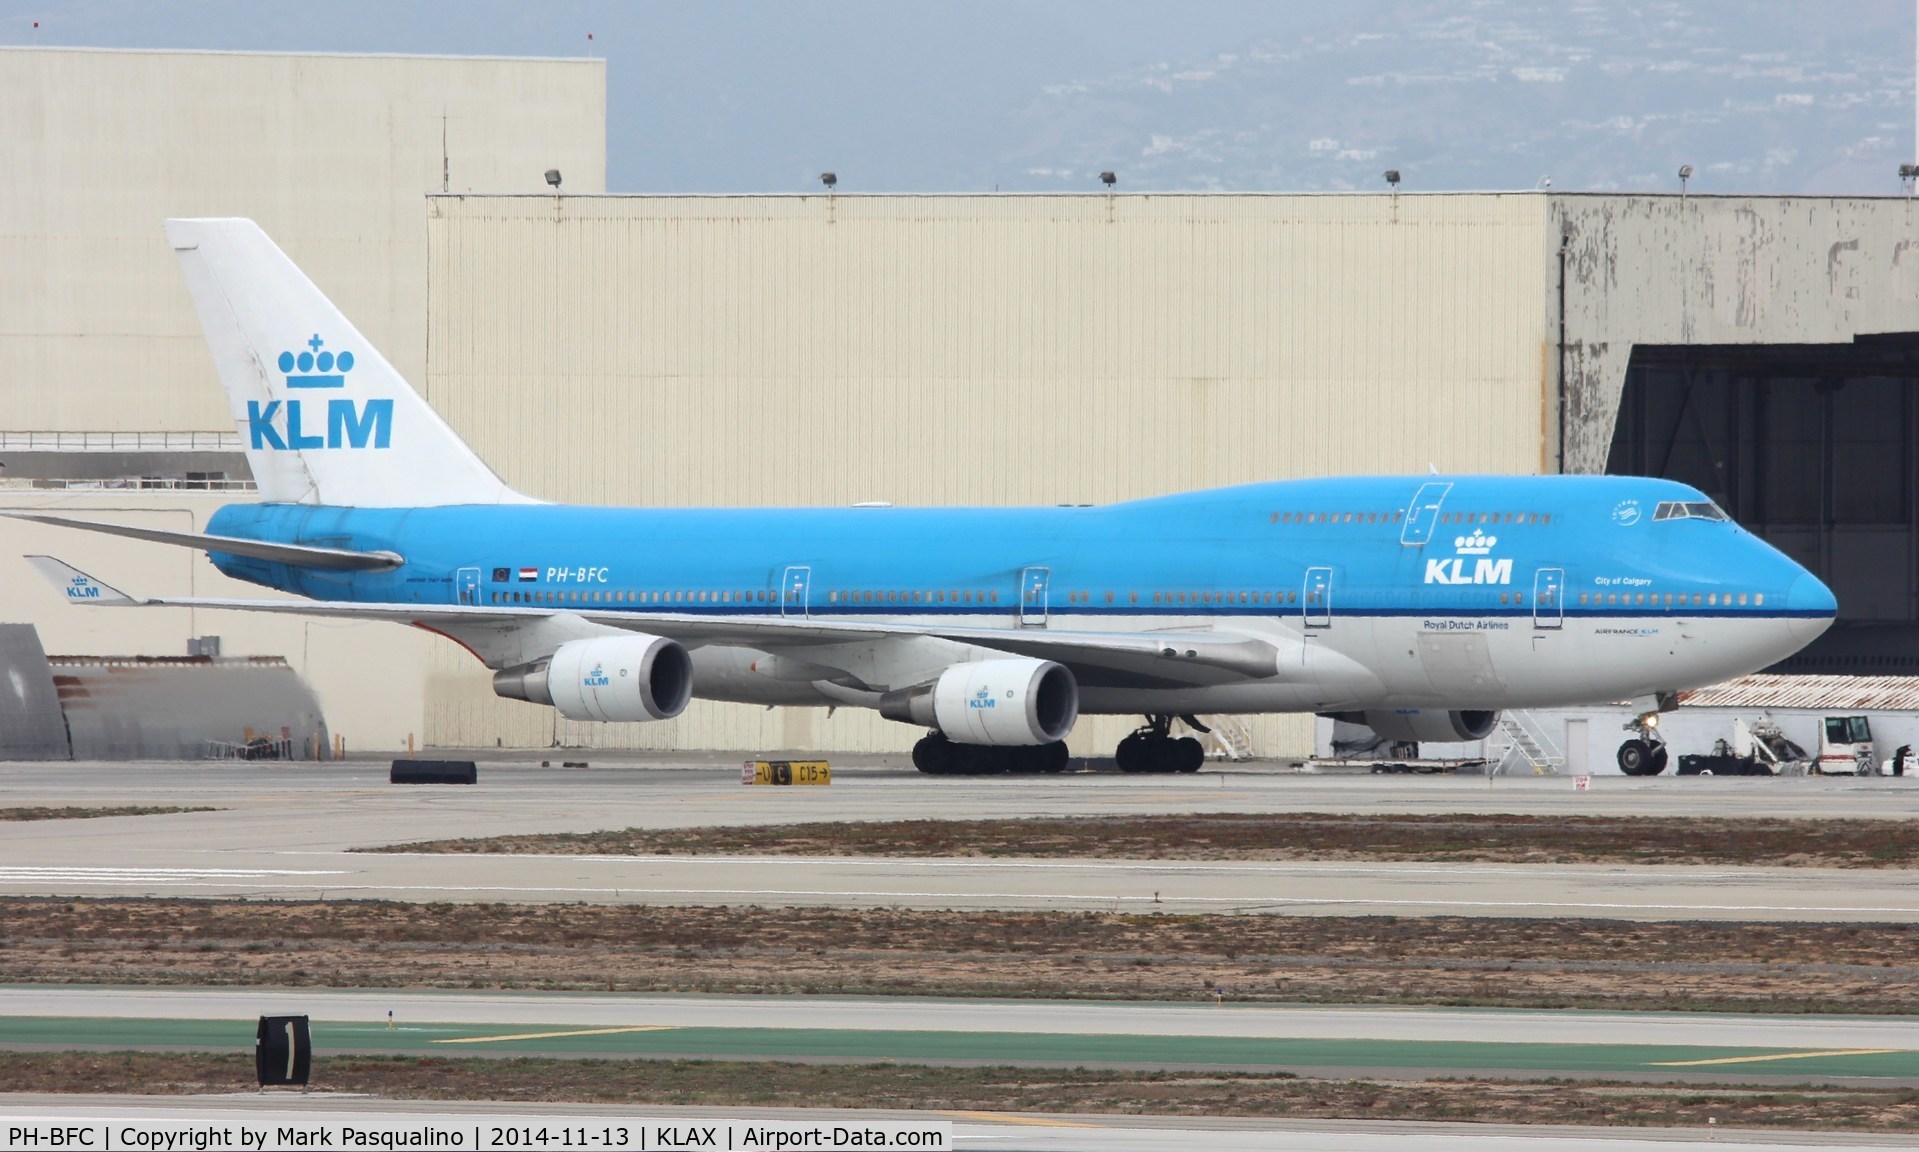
999,702
1424,725
607,678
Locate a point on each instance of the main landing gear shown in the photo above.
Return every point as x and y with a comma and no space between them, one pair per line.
1153,749
935,755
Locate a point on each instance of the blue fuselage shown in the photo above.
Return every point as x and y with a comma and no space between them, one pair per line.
1310,551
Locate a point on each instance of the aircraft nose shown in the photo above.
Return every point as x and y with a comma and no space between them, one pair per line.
1811,605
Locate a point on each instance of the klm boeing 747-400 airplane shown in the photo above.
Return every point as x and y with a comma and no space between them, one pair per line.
1420,606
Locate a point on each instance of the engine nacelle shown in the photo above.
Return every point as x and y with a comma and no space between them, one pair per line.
608,678
1424,725
999,702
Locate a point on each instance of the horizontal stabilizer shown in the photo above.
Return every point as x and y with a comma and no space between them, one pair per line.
78,586
299,555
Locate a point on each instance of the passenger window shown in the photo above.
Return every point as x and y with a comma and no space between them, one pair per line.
1759,599
1712,599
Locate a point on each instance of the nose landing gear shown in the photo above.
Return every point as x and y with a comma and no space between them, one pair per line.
1645,753
1153,749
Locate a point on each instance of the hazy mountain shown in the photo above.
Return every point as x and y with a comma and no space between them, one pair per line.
761,95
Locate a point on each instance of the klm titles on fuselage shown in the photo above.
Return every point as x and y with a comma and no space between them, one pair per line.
1484,569
293,426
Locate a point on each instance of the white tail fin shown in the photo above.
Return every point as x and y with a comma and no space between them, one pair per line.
324,417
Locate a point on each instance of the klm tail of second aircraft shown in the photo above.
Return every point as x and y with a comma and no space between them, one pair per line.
324,418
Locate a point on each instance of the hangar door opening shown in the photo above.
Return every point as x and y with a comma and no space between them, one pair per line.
1810,446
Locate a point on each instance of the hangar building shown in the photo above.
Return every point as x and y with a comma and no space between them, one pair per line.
1000,349
109,406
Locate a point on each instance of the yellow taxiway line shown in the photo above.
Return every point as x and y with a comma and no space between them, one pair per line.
1780,1056
555,1035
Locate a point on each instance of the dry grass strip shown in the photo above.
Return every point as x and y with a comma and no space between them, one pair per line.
1510,962
1496,838
716,1083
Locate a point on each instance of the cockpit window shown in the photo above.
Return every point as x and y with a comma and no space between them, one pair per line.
1681,510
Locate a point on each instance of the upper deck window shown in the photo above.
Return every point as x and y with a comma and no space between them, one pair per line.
1682,510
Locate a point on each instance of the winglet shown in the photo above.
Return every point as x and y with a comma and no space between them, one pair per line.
79,587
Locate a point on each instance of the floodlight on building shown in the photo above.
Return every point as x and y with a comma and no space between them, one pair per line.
1685,174
1108,179
553,177
1392,178
829,178
1908,174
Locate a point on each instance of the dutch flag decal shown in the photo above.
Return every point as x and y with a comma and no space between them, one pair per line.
529,573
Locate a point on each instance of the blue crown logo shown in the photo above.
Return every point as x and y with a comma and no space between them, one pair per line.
317,367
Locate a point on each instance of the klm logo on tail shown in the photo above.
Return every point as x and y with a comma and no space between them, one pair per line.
290,425
82,588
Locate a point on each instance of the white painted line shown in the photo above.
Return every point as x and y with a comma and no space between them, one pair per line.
26,873
1163,899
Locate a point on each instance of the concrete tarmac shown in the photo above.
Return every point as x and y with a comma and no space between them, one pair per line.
1089,1018
996,1132
286,832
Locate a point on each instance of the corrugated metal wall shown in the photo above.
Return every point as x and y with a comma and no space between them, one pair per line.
1720,270
967,350
331,154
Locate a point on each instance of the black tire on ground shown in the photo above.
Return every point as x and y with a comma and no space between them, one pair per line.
1635,758
1658,760
1054,757
933,755
1189,755
974,760
1133,755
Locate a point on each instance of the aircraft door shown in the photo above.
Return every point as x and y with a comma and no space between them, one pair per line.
1549,594
1423,513
1032,597
1316,598
794,587
466,586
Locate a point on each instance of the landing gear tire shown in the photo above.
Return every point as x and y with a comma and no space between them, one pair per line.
936,755
1136,754
933,755
1189,755
975,760
1053,757
1639,758
1152,749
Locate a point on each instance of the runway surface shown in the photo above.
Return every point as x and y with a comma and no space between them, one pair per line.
995,1132
1318,1040
285,832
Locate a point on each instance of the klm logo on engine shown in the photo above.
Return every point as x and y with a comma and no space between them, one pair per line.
981,699
1473,565
596,678
297,426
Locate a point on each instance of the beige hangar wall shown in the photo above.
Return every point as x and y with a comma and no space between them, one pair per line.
967,350
330,154
334,156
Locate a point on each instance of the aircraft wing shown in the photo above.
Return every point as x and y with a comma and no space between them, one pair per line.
1157,659
300,555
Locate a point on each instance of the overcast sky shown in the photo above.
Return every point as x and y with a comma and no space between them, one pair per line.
761,95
